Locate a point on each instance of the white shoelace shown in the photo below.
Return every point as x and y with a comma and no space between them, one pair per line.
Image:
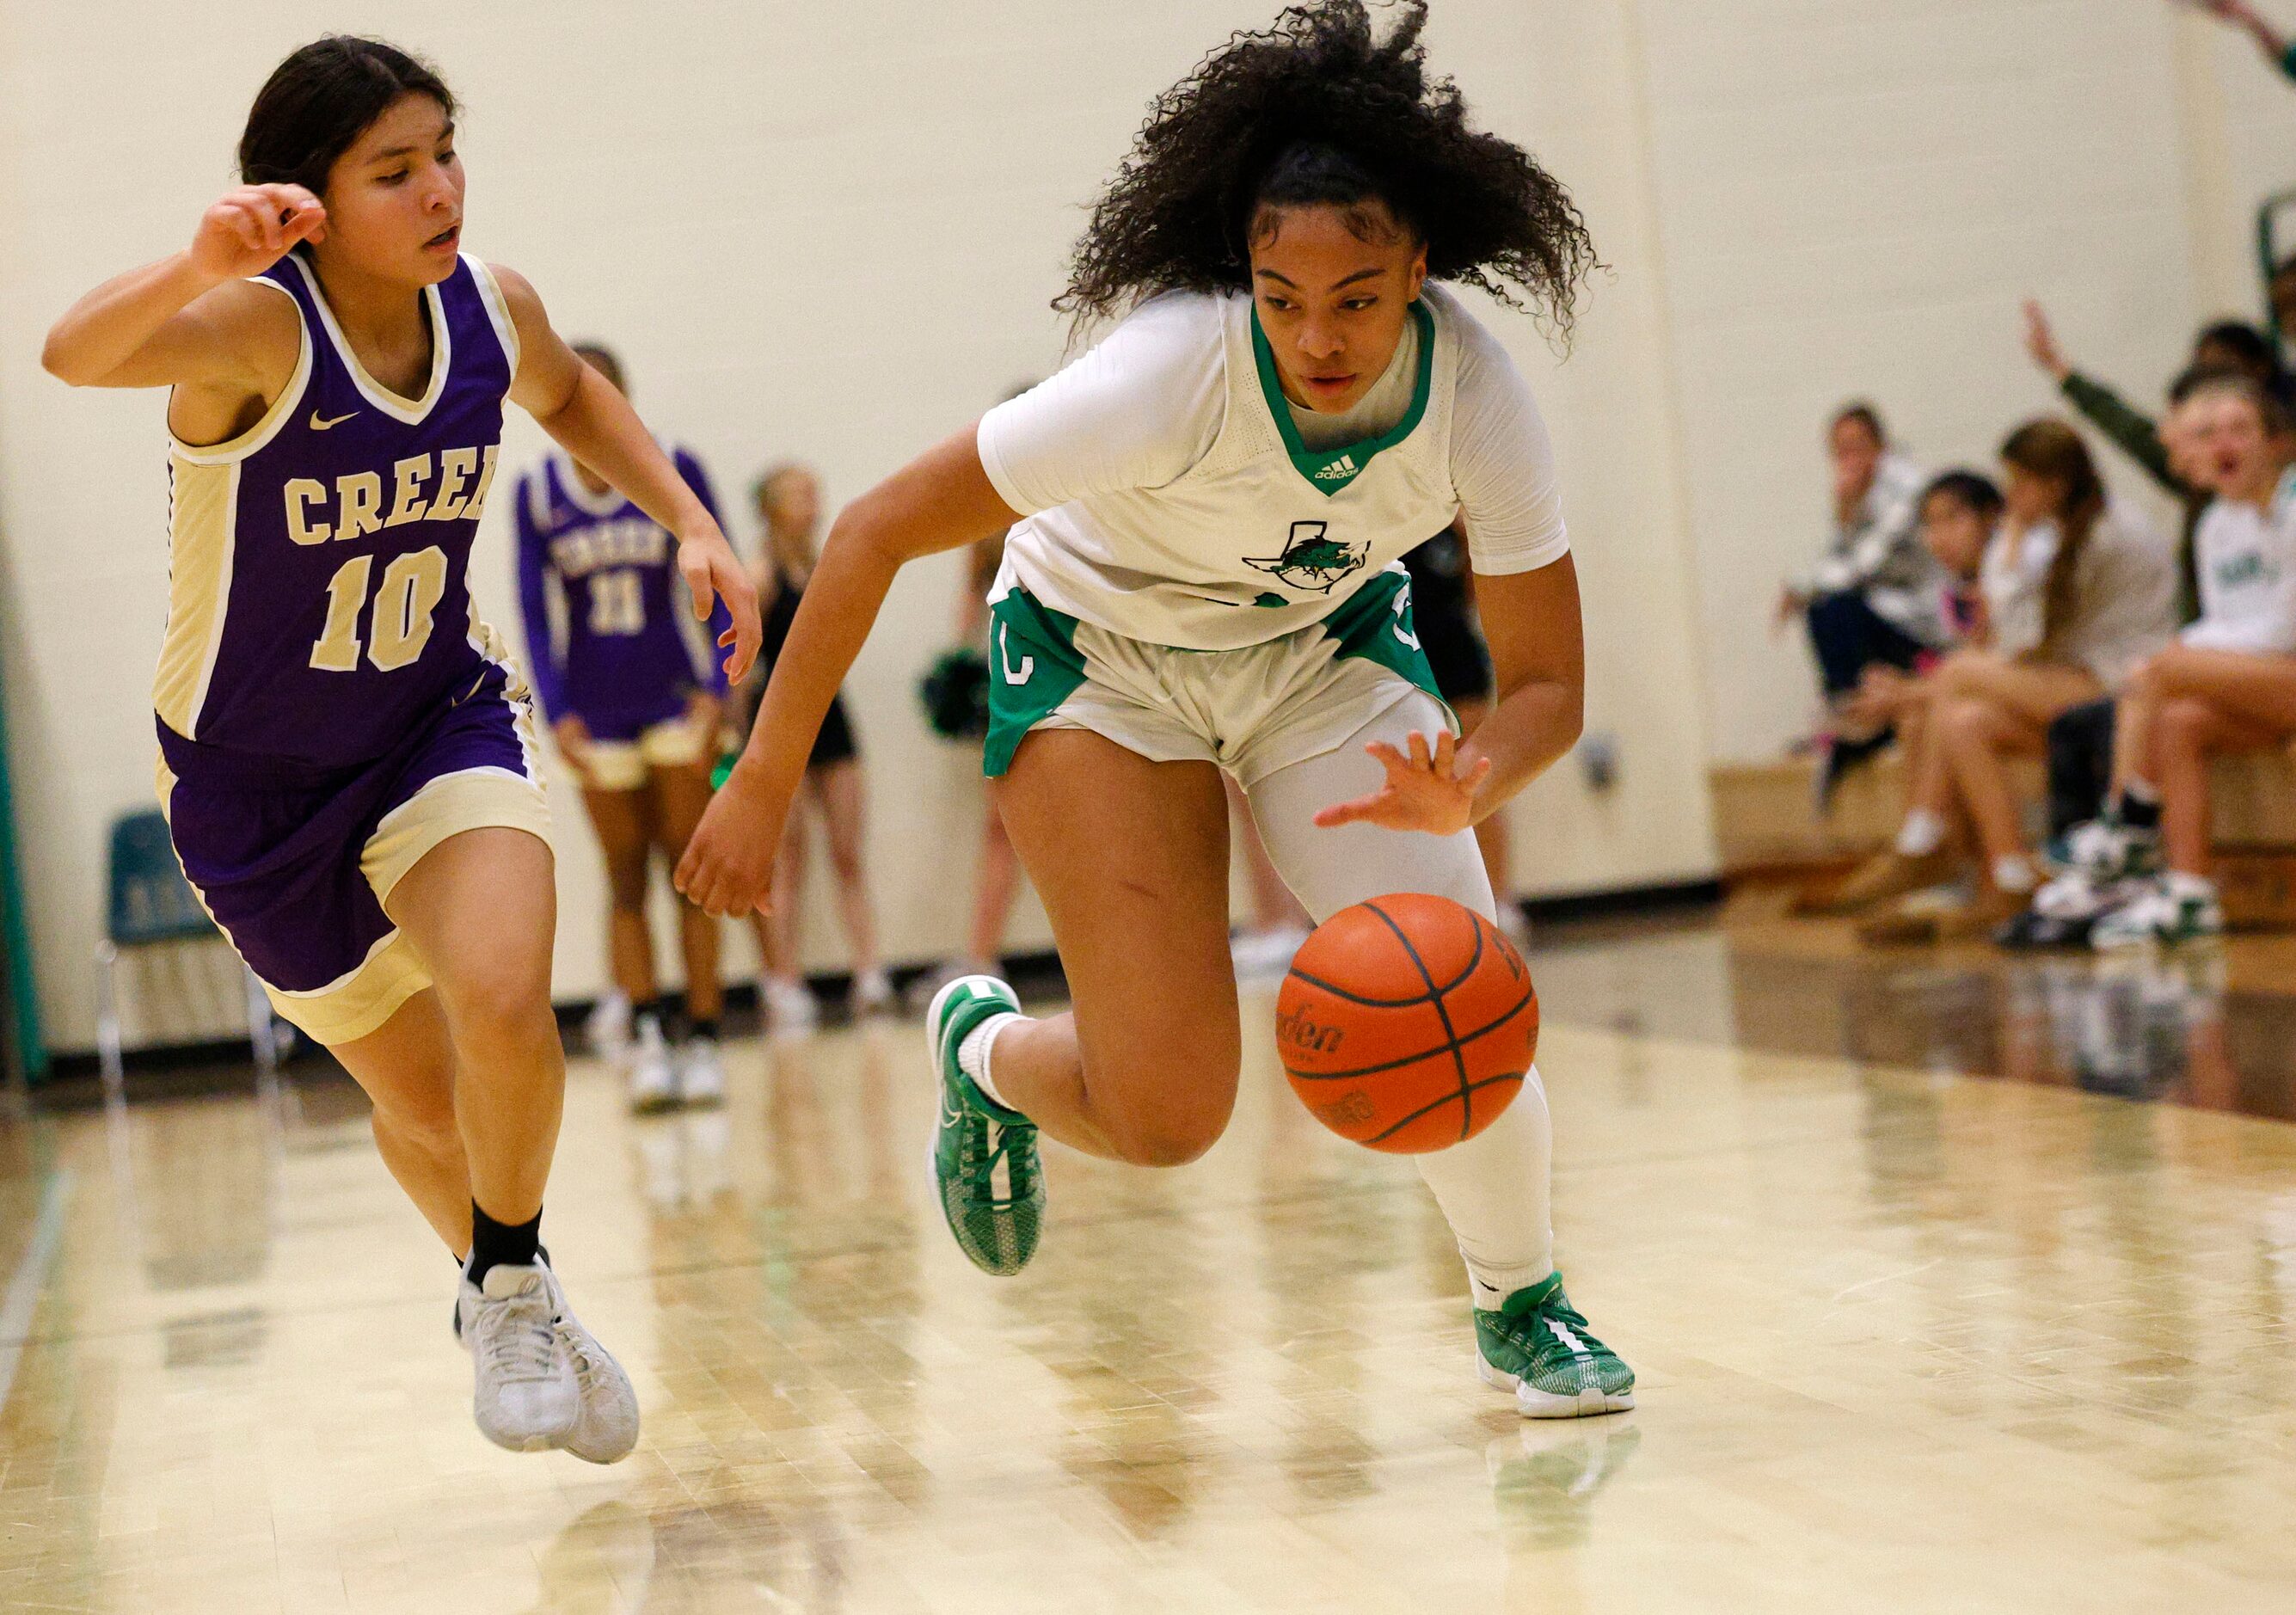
518,1338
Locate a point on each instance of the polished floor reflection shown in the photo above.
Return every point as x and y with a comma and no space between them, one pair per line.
1912,1336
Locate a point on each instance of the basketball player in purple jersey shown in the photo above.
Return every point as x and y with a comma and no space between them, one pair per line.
348,757
632,696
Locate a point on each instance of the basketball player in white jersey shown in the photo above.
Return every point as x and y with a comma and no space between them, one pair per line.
1210,506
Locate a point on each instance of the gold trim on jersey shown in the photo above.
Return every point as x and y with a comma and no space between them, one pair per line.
482,275
346,1009
412,411
472,798
202,517
353,1003
283,407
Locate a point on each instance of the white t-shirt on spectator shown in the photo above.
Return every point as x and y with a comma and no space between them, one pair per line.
2124,597
2246,558
1169,495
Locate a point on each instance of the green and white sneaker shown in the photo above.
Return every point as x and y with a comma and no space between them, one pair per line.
1537,1345
2168,909
984,1156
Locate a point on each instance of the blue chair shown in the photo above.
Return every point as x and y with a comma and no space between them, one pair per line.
149,903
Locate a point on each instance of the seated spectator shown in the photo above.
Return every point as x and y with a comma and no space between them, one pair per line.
1874,599
2077,592
2228,685
1960,515
2081,741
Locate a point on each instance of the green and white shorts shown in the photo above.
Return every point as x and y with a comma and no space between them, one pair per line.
1252,711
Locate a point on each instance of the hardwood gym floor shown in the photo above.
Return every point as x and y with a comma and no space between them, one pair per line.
1932,1312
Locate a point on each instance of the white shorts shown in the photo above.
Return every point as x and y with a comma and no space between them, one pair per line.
1252,711
677,742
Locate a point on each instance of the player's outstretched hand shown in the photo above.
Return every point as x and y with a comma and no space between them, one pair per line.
713,573
1425,791
728,865
248,230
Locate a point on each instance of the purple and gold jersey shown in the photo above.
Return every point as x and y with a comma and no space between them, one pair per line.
319,606
610,635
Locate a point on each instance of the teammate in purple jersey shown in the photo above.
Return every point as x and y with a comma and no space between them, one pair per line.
633,696
348,757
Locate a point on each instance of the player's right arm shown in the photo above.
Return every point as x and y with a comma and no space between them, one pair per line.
191,321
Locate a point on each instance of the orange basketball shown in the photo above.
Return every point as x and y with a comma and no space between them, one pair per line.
1406,1023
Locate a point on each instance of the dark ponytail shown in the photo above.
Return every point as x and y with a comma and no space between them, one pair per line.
319,102
2054,452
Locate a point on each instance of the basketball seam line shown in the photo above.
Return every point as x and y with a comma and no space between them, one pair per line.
1488,1082
1388,1065
1459,1060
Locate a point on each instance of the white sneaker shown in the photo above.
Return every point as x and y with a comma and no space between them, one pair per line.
789,1004
701,1073
1258,953
526,1396
607,1031
872,993
2170,909
653,1077
606,1428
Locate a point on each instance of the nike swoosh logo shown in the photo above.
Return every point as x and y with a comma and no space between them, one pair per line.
319,425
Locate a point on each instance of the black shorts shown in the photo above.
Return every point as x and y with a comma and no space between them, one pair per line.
835,742
1461,665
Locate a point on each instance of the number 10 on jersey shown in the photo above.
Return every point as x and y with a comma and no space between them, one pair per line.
400,624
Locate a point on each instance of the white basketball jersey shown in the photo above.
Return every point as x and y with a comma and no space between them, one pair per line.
1260,535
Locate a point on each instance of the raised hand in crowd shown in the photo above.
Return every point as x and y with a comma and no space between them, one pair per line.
2041,342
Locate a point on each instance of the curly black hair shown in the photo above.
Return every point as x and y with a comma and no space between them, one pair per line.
1319,109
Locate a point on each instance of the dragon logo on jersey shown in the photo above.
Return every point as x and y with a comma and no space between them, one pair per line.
1311,560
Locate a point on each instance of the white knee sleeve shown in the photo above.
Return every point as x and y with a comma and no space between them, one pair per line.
1329,870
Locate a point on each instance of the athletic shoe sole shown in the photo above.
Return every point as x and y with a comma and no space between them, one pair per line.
1536,1404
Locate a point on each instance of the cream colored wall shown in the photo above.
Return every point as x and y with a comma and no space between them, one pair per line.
1856,199
2240,114
832,232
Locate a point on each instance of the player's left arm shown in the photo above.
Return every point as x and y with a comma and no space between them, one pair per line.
1442,785
1526,592
594,422
1539,669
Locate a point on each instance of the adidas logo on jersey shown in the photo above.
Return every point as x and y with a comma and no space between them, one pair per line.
1344,466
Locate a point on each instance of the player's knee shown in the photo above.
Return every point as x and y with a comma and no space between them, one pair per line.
1966,722
500,997
2184,724
1163,1102
423,1120
1166,1141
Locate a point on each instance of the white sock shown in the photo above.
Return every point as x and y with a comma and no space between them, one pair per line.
1493,1190
1921,833
2141,791
2179,884
2014,874
973,1055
